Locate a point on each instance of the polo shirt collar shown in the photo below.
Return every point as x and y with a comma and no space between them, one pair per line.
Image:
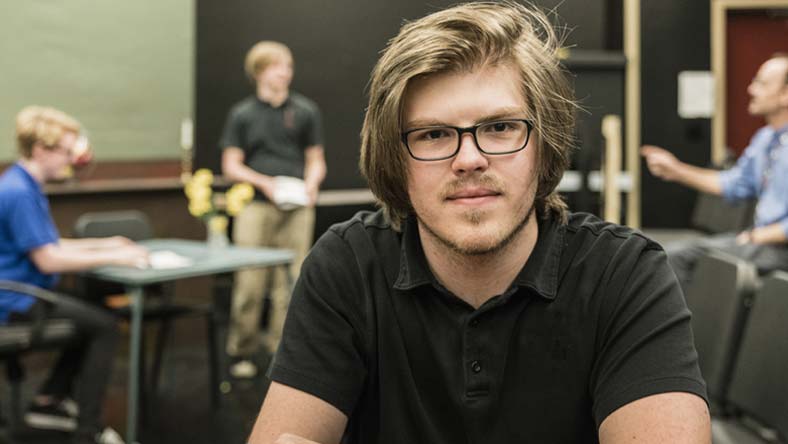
268,105
539,274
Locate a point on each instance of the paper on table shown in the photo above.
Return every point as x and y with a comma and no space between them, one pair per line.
164,259
289,192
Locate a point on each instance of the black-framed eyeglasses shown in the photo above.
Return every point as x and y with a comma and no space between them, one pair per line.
443,142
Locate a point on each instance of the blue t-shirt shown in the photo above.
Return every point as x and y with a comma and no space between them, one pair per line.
25,224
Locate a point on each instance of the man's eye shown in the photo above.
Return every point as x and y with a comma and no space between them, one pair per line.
433,134
499,127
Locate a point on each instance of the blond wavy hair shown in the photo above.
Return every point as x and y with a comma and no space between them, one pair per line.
263,54
465,38
44,125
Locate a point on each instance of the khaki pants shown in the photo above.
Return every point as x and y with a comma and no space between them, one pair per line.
263,224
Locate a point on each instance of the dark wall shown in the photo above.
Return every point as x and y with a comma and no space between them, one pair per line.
335,45
675,38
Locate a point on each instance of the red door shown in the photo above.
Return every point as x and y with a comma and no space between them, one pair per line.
752,37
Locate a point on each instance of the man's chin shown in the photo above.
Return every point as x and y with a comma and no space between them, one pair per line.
476,234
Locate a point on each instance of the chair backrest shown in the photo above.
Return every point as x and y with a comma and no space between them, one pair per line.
133,224
39,333
759,386
713,214
719,298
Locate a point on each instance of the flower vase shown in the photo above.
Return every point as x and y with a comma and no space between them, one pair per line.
216,228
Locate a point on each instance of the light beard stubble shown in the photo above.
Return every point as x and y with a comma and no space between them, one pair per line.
475,218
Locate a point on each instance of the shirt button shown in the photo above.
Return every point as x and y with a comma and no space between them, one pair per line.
476,366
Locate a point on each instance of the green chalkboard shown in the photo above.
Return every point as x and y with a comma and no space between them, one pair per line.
124,69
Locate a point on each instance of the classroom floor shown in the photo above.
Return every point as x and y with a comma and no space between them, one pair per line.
180,413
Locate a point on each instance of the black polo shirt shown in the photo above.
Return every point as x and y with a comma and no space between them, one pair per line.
593,321
274,138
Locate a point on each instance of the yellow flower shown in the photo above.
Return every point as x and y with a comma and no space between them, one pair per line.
245,191
197,191
202,176
199,207
237,197
218,224
234,207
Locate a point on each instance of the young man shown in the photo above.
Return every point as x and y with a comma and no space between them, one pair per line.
473,307
32,252
760,173
276,132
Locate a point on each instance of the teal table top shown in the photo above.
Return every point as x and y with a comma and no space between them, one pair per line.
205,260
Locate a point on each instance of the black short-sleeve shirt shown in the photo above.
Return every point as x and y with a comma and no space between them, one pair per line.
593,321
274,139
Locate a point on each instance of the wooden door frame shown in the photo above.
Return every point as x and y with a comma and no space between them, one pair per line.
719,28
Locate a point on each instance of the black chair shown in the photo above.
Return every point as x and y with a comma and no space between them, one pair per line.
719,297
710,215
159,305
18,339
758,392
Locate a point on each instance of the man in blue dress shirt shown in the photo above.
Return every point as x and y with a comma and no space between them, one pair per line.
760,173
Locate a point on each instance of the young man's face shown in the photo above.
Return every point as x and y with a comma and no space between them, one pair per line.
278,74
54,160
768,90
472,203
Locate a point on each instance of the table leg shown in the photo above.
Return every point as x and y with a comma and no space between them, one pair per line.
134,376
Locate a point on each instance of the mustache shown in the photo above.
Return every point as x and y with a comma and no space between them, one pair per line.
486,181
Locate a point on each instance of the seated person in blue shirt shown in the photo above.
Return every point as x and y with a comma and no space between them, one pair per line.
32,252
761,173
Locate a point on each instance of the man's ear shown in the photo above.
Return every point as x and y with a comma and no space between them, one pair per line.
784,96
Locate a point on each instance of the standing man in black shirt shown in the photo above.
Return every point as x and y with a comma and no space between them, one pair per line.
473,308
272,140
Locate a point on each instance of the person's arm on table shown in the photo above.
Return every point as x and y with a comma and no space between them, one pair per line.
769,234
290,416
60,258
96,243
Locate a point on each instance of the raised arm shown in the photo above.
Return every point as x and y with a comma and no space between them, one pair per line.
666,166
290,416
680,418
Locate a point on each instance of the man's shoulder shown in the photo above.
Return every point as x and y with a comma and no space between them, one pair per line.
366,237
364,247
243,106
761,137
585,225
13,186
363,224
303,102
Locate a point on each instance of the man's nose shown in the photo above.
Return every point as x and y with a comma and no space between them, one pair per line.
469,158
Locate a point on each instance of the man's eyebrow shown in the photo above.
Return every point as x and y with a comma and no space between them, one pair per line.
499,114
